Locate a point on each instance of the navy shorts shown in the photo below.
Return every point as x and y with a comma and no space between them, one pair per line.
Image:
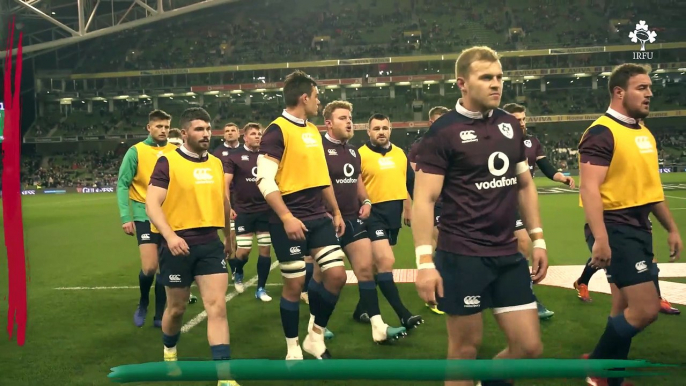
204,259
437,214
377,229
251,223
321,233
472,284
632,255
144,235
355,229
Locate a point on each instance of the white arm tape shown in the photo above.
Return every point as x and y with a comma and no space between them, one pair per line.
540,243
522,167
424,250
266,175
536,230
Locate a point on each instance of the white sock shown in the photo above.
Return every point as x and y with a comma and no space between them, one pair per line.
292,343
377,322
169,350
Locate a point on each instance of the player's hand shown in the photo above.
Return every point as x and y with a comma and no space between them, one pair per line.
228,248
178,246
539,265
407,217
569,181
601,254
429,284
233,214
339,224
365,211
675,246
129,228
295,229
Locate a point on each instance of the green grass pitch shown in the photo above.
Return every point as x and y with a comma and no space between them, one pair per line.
75,336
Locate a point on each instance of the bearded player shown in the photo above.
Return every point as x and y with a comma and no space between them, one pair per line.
132,186
535,156
434,114
344,169
252,211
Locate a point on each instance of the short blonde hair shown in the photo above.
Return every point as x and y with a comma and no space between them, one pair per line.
332,106
438,110
252,125
470,55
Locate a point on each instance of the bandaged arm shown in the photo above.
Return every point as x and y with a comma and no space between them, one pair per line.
267,167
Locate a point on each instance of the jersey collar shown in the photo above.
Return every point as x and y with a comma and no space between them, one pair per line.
621,117
238,144
468,113
333,140
293,118
248,149
191,154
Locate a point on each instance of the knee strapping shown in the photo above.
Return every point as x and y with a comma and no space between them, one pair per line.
264,240
329,257
292,269
244,242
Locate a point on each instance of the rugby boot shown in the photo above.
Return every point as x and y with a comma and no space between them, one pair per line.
238,283
388,334
412,322
139,315
315,346
192,299
261,294
328,335
666,308
543,312
227,383
582,292
434,309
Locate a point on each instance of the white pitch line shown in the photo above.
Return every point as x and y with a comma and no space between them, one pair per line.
678,198
203,315
128,287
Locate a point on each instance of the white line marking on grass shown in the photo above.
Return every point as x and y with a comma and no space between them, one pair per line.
678,198
203,315
131,287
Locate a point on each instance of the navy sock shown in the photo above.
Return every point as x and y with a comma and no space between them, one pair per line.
145,282
314,297
170,340
588,272
623,328
390,292
263,266
290,313
309,270
327,304
240,263
221,352
369,299
232,265
160,298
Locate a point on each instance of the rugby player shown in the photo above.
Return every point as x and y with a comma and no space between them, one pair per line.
132,186
434,114
187,204
176,138
613,150
387,177
293,177
252,211
229,145
535,156
474,158
344,169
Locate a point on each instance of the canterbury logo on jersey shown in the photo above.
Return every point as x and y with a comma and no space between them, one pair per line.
644,144
203,176
386,163
309,140
348,171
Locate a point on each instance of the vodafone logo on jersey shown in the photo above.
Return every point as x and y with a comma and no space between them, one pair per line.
498,165
348,171
254,175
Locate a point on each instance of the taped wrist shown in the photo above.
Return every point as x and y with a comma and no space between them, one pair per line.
546,167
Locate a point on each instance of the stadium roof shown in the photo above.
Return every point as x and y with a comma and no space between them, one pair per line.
50,24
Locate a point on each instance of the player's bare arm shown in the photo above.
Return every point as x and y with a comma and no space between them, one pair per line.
330,201
267,168
427,190
228,178
664,216
153,207
542,162
407,211
591,177
366,208
228,215
528,202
